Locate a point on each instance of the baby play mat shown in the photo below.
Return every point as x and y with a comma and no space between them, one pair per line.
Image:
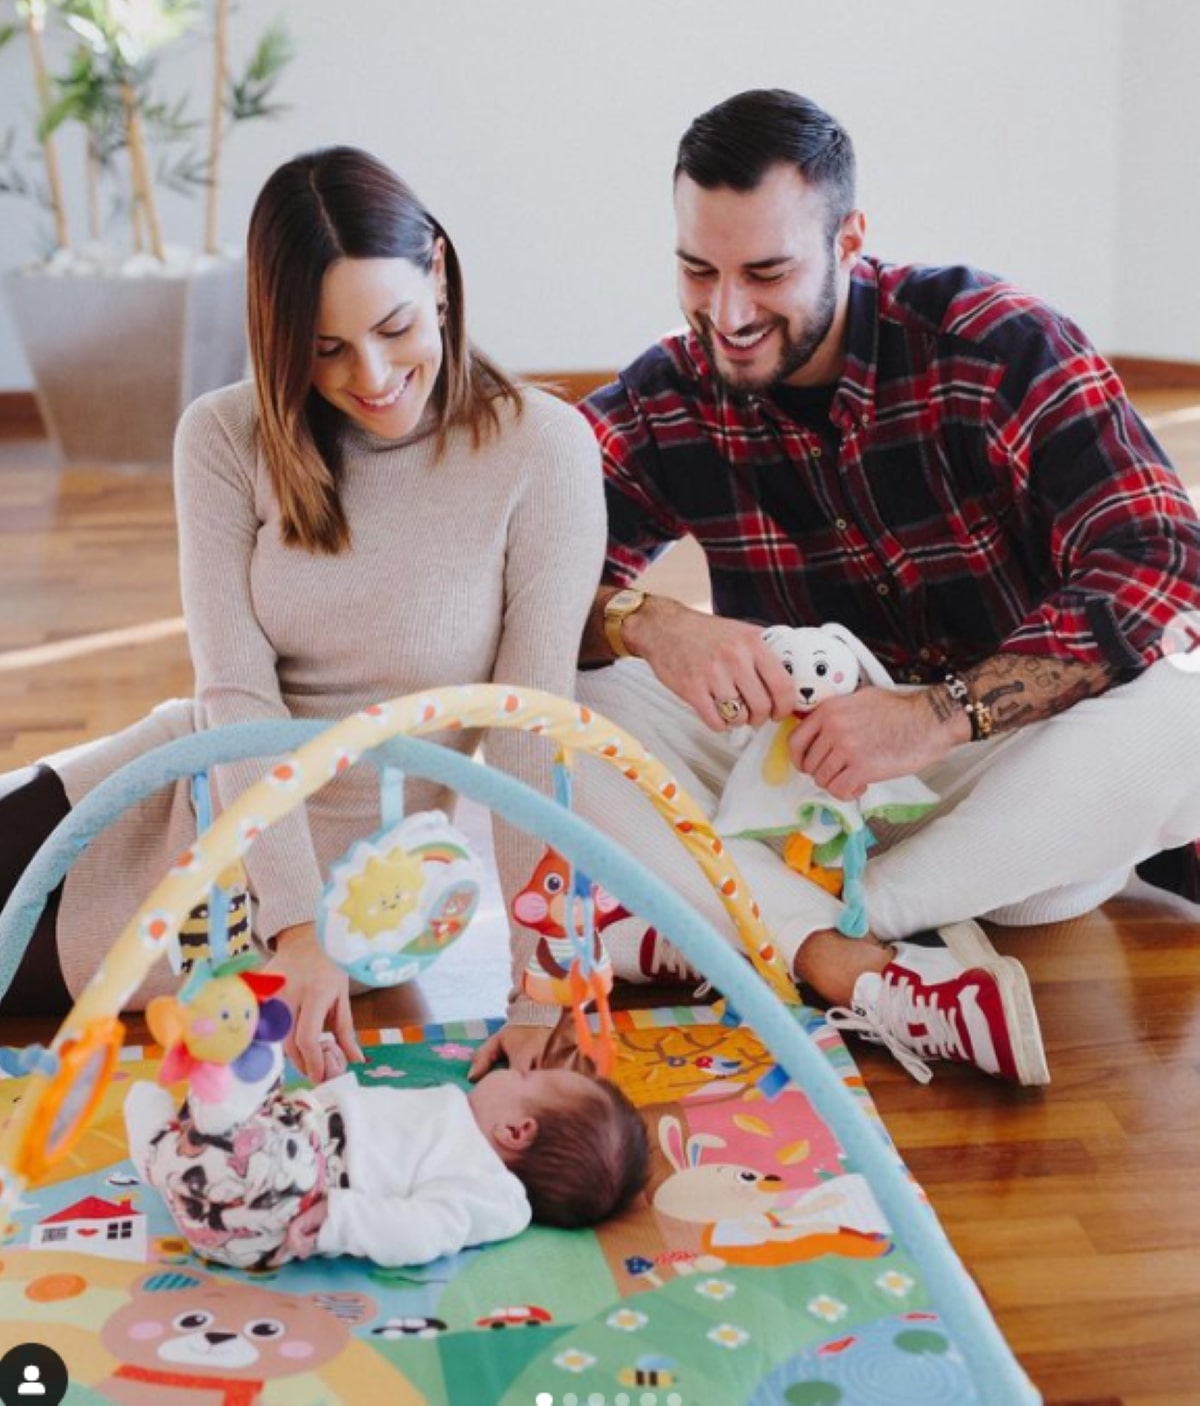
782,1254
759,1268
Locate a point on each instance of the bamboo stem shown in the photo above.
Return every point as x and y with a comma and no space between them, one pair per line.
62,236
92,169
220,70
140,168
139,237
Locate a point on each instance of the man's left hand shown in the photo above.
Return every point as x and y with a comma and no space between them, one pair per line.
848,742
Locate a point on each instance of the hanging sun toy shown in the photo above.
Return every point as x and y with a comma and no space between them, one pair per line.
397,900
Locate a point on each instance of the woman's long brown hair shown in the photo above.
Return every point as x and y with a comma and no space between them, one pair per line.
341,203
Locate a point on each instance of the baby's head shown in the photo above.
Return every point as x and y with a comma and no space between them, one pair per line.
577,1143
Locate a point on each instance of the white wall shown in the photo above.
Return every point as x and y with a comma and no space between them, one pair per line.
1158,204
542,133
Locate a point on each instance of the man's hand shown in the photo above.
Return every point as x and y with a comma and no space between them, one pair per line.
848,742
318,994
705,659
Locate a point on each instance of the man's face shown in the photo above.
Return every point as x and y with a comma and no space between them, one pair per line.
760,281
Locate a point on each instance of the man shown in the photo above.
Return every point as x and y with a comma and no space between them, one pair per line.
947,467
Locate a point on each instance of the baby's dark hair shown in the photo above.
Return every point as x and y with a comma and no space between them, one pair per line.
586,1163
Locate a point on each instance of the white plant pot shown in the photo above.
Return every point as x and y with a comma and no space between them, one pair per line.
116,359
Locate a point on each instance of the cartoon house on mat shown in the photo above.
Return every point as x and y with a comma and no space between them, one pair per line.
94,1227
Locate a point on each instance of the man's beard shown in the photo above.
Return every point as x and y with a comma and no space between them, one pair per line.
797,350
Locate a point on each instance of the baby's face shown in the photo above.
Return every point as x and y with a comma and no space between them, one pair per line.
507,1099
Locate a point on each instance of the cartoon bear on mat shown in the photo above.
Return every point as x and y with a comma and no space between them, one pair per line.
188,1337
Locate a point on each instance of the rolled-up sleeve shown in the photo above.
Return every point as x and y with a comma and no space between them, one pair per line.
1122,534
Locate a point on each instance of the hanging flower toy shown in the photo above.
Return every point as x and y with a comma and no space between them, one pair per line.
219,1029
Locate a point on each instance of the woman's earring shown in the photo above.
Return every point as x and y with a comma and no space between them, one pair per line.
443,305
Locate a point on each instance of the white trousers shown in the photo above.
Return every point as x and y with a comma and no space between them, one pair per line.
1037,825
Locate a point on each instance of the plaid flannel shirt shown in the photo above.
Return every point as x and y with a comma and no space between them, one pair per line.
994,490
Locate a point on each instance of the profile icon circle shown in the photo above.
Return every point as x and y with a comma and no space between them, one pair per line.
32,1373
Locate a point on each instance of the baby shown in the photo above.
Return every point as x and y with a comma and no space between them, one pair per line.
399,1176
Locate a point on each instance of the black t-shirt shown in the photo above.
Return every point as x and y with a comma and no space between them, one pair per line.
810,406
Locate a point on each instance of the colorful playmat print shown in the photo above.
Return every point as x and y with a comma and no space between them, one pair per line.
758,1269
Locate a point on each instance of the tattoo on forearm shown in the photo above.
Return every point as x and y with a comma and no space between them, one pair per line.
944,707
1022,689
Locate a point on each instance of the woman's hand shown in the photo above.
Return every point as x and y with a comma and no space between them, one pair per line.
522,1046
318,994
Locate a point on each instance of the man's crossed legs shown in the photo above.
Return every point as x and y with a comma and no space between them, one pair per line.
1036,825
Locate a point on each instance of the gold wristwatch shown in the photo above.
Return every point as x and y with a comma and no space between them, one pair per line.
617,610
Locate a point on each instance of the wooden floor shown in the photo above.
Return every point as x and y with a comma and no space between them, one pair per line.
1076,1207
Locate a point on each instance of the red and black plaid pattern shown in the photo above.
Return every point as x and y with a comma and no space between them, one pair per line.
993,489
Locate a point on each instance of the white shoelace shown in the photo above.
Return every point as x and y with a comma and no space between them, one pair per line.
667,960
890,1022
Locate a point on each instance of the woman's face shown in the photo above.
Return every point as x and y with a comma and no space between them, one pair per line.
378,346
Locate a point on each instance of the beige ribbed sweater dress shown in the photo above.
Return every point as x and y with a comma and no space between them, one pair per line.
476,566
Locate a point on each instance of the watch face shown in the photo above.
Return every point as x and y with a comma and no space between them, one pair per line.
617,608
625,601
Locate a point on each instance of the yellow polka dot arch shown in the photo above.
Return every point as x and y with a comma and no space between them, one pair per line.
575,728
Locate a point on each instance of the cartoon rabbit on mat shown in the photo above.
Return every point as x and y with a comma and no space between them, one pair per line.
743,1214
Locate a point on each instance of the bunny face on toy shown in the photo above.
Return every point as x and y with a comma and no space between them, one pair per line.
823,662
767,795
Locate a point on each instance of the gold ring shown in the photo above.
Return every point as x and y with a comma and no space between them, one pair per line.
730,709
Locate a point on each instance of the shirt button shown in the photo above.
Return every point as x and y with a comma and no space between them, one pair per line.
840,523
816,451
883,588
923,653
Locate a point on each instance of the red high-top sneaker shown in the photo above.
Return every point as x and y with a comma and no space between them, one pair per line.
950,995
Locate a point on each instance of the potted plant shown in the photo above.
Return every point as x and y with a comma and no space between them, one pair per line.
122,330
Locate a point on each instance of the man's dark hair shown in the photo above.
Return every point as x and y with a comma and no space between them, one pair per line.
737,142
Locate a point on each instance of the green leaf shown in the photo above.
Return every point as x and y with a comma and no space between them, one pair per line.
184,175
272,54
89,32
63,110
248,94
13,180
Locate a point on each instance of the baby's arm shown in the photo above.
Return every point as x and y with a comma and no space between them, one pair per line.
148,1109
440,1218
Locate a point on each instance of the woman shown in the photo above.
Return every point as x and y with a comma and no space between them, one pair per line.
379,510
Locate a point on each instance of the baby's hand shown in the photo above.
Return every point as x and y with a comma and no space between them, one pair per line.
303,1231
334,1057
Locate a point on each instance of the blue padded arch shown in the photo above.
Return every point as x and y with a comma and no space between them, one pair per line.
997,1376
